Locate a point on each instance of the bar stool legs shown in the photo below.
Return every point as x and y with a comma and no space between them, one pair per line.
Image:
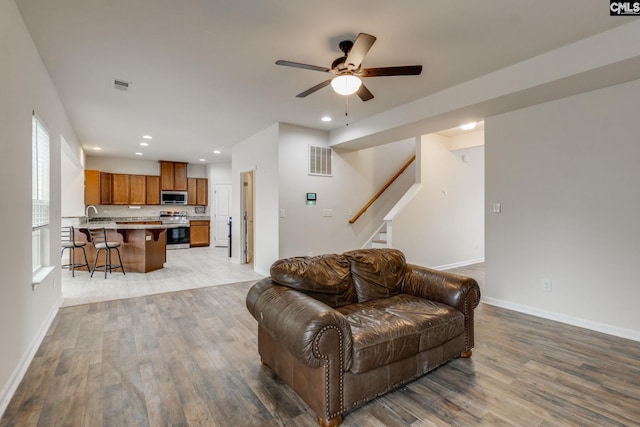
69,242
100,243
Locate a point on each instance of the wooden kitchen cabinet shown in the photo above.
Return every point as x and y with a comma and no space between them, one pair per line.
199,232
91,187
202,191
97,187
120,189
180,176
198,191
106,191
153,190
137,189
173,176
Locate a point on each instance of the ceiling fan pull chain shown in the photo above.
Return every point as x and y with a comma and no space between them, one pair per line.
346,111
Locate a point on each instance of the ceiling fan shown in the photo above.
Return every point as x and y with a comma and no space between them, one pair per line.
348,69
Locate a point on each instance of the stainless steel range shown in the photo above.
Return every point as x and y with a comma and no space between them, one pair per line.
177,237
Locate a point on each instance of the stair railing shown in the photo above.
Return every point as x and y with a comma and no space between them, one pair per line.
382,190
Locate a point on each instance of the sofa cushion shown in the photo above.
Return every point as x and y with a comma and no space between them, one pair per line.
377,273
392,329
326,278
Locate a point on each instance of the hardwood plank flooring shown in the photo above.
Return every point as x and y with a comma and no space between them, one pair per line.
189,358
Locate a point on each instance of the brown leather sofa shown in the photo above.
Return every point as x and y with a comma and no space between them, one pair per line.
343,329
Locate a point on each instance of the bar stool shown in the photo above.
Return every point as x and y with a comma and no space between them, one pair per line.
99,240
68,241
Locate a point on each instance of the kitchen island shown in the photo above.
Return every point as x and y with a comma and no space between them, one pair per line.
143,245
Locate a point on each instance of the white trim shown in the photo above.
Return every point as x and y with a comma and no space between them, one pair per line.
563,318
368,243
40,275
403,202
16,377
458,264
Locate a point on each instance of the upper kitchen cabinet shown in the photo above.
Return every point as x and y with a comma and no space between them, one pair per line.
137,189
106,190
153,190
173,176
120,189
97,188
198,191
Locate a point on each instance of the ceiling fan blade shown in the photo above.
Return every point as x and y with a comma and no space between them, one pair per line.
314,89
408,70
364,93
360,48
305,66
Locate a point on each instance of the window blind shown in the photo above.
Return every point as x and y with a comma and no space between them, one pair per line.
39,174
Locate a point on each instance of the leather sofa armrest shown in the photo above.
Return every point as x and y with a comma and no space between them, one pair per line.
459,292
311,330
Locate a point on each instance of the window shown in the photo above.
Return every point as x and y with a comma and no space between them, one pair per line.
39,193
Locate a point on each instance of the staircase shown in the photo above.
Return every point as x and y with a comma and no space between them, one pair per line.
380,240
382,236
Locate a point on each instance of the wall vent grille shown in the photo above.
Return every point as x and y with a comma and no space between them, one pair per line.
320,161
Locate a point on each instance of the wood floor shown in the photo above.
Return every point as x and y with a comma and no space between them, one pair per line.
189,358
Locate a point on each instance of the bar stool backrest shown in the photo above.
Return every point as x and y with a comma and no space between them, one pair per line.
67,235
98,235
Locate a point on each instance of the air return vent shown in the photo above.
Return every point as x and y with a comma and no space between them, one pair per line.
121,85
320,160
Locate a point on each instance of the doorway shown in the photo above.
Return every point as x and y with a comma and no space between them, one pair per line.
247,213
221,215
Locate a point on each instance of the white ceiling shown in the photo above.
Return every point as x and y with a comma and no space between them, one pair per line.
203,72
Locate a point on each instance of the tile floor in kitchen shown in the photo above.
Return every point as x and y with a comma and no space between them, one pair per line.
184,269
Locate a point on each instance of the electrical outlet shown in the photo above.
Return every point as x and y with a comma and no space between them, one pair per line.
546,285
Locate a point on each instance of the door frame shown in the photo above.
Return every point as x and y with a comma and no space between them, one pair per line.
247,230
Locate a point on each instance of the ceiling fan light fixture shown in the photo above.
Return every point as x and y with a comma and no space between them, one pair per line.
346,84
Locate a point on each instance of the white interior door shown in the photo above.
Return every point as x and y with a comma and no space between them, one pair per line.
222,214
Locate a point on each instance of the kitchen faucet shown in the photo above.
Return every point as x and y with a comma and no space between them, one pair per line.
86,211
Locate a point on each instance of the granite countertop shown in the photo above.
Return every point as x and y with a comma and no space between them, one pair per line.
142,218
135,223
112,225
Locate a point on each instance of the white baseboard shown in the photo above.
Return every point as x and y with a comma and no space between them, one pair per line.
18,373
563,318
458,264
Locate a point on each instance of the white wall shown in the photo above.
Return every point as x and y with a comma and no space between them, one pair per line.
138,166
219,173
357,176
566,174
25,314
444,224
260,154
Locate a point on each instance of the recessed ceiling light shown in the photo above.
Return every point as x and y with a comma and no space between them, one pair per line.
216,151
468,126
203,160
138,154
326,119
147,136
144,144
97,148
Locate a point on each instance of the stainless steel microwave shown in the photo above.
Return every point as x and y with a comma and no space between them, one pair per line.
173,197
